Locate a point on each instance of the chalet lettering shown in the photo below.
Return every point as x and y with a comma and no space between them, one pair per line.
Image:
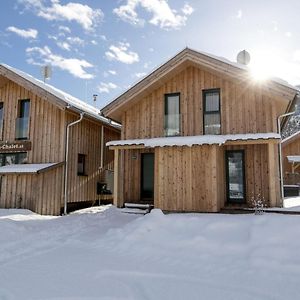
15,147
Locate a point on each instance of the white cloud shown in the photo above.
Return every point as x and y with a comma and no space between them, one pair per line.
83,14
65,29
64,45
93,42
103,37
27,34
239,14
106,87
75,40
187,9
112,72
162,14
74,66
122,54
140,75
288,34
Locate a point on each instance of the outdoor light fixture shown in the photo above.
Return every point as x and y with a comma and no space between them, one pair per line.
296,112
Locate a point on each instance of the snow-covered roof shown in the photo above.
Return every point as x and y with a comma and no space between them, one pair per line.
194,140
28,168
293,158
291,138
228,67
67,99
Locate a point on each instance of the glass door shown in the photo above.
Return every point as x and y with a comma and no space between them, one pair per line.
235,181
147,176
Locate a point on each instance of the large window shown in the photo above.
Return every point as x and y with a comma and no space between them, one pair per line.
22,122
13,158
172,114
81,167
1,120
211,108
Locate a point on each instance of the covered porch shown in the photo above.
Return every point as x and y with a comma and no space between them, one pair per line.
197,173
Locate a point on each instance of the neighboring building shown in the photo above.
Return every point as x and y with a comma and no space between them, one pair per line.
291,159
33,121
198,134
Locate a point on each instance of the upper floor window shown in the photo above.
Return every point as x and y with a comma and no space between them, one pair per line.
81,167
1,120
172,114
22,122
211,112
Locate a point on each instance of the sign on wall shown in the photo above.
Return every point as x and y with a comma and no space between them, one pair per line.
19,146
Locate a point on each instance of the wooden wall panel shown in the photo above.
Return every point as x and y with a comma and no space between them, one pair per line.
290,148
245,107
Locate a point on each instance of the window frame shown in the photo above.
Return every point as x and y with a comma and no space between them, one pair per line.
2,121
4,155
84,156
21,115
165,110
205,112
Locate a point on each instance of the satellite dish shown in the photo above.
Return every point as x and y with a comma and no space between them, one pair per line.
46,72
243,57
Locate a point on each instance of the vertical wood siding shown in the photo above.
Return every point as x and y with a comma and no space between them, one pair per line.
43,193
245,107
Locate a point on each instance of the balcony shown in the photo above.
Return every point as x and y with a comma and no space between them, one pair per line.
22,128
172,125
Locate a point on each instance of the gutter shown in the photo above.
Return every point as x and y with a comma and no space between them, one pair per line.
67,160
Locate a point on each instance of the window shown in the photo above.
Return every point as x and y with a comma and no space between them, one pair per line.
211,116
22,122
1,120
172,114
13,158
81,165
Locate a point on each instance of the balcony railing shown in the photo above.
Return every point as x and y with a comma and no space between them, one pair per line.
22,128
172,125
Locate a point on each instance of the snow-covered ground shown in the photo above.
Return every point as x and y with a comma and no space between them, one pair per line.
101,253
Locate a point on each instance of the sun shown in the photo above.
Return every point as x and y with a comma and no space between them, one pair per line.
265,63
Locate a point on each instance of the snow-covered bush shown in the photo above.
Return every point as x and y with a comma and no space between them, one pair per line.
258,202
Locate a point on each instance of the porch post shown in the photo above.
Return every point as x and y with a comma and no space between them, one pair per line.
116,177
273,176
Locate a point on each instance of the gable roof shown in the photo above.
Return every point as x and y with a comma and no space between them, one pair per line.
179,62
51,93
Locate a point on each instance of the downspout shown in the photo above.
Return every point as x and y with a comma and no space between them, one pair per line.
67,161
102,148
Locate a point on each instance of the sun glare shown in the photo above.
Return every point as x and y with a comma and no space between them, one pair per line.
264,64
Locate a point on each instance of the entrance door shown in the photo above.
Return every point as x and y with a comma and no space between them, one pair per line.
235,181
147,176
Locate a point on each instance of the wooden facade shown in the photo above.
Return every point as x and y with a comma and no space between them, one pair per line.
48,118
291,171
195,178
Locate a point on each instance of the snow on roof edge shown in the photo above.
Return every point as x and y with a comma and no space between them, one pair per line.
293,158
26,168
290,137
219,58
63,96
193,140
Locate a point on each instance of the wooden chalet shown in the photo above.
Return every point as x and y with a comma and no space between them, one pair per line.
198,134
34,117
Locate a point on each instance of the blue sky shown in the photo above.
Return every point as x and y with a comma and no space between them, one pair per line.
103,47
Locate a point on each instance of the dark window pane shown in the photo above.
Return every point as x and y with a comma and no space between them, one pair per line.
212,102
1,120
81,164
13,158
212,118
235,165
22,122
